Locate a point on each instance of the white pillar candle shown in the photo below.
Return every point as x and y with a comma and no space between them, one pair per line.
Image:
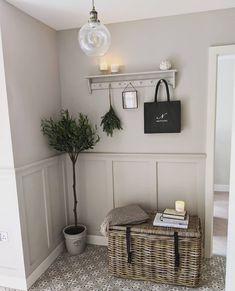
114,68
180,206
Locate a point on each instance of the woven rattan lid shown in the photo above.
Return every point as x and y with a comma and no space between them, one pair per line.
193,230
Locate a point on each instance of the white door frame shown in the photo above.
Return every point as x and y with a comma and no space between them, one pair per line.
214,53
230,268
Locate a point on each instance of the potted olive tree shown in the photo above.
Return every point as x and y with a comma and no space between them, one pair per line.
72,136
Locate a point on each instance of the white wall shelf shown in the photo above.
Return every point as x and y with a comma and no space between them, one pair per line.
140,79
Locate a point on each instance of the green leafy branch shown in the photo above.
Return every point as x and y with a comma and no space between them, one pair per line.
110,122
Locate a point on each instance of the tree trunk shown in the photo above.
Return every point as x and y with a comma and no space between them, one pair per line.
75,195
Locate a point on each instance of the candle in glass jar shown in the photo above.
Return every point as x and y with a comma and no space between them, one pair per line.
103,66
114,68
180,206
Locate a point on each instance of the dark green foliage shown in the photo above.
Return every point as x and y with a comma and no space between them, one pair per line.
70,135
110,122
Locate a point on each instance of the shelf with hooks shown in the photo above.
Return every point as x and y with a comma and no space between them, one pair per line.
120,81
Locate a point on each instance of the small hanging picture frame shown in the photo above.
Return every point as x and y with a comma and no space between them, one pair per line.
129,97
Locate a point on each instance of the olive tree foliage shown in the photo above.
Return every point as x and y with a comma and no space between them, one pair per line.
71,135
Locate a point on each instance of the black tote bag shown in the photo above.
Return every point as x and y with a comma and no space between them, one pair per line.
164,116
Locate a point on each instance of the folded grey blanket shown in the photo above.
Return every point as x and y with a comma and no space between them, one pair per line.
131,214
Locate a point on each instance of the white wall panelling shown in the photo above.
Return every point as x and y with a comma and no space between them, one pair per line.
97,240
43,208
95,191
12,270
134,181
181,180
154,181
44,265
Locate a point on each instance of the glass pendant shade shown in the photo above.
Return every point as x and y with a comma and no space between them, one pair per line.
94,38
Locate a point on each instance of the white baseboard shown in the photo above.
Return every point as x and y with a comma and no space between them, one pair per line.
221,188
44,265
97,240
13,282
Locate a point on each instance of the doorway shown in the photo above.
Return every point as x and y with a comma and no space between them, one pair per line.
223,135
216,55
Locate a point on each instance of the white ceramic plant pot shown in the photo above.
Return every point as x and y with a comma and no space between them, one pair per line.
75,242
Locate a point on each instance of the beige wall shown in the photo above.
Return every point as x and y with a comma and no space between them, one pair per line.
155,181
31,65
11,252
6,157
140,46
33,92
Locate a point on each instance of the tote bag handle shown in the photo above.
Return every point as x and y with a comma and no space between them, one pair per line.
167,89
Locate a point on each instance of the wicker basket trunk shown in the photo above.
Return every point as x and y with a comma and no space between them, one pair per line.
153,253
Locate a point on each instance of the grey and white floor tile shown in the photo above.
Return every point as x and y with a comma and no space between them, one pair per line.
89,271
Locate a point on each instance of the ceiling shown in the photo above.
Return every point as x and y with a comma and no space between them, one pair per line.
65,14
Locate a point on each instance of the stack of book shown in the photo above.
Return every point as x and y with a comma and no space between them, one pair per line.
172,218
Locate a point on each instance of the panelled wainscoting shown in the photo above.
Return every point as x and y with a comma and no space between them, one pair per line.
153,181
12,272
43,210
105,181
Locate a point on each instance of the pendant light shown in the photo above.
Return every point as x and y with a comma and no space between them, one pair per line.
94,38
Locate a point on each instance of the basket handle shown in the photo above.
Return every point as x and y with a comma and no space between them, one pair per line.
177,255
128,244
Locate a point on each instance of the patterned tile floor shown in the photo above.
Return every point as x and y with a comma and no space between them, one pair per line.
89,271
